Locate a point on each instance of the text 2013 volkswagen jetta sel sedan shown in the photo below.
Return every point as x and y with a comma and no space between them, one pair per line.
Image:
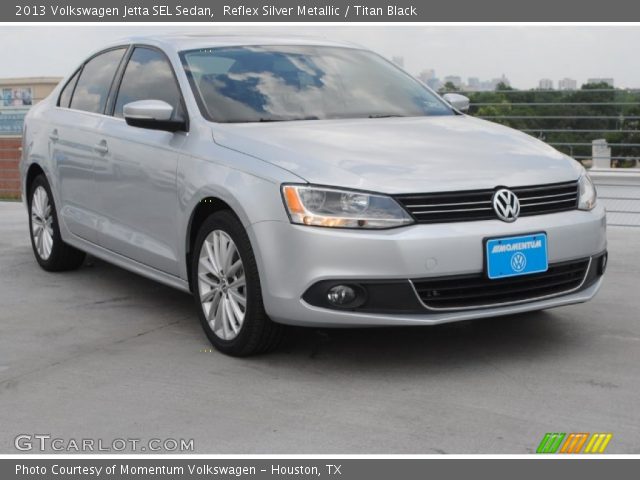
289,181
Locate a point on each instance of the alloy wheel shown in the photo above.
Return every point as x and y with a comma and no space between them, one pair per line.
222,285
41,222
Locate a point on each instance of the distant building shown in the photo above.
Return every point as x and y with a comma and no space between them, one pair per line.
454,79
487,85
497,81
434,83
545,84
473,83
24,92
608,81
426,75
17,95
398,60
568,84
429,78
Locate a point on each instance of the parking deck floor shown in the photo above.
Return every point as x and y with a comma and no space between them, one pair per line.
104,354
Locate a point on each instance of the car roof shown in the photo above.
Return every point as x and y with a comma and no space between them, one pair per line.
180,42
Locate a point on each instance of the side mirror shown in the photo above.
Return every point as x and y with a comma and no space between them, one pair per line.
457,101
152,115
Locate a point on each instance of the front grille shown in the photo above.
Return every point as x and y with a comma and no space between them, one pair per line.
476,291
471,205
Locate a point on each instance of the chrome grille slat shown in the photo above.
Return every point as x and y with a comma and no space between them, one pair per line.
450,204
455,286
538,197
474,205
477,291
551,202
545,187
453,210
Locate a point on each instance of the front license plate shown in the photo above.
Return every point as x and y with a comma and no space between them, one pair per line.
514,256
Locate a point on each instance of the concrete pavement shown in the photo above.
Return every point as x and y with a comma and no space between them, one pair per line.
104,354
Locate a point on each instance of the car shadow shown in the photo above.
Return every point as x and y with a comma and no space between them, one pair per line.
504,337
525,336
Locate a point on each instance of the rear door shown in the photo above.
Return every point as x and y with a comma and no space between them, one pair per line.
136,182
75,140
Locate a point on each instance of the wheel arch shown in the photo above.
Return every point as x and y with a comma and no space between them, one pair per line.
206,207
33,171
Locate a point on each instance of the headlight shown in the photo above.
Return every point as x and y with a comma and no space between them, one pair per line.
328,207
586,193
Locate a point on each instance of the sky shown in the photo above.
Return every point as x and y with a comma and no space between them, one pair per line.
525,54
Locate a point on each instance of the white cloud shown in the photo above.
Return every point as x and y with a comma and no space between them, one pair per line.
523,53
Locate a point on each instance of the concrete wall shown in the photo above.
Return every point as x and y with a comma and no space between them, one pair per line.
619,189
9,176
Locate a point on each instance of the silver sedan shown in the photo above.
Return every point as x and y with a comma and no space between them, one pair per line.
295,181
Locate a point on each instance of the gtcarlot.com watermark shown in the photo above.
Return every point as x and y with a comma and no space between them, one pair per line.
45,442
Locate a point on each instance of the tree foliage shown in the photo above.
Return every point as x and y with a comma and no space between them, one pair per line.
607,110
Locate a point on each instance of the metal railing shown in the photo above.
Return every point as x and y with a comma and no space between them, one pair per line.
600,132
569,120
619,190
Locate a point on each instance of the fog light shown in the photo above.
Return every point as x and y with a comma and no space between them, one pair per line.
603,264
341,295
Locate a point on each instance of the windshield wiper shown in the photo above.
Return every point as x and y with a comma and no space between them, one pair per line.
287,119
386,116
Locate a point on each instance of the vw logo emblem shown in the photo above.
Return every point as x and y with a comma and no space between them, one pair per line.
518,262
506,205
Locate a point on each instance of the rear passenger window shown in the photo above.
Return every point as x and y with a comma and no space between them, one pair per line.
95,80
149,76
67,91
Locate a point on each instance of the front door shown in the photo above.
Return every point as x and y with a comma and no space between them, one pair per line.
136,180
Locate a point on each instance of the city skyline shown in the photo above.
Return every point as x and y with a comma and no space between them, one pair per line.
475,83
525,54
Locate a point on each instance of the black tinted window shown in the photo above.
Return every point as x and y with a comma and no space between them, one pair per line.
264,83
65,96
149,76
95,80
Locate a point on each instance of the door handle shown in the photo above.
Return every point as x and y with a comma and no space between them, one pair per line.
101,147
54,136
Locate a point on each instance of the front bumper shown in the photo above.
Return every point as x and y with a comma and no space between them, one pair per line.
292,258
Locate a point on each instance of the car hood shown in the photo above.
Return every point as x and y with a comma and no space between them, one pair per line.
402,155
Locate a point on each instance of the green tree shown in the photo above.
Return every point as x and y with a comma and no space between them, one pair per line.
562,117
449,87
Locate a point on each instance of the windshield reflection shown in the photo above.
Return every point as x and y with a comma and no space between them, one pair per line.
252,84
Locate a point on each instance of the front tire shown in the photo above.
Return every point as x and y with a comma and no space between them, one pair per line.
226,284
50,251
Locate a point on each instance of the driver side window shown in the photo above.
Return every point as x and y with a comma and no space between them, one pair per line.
149,76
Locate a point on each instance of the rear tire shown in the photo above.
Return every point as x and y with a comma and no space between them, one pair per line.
227,291
50,251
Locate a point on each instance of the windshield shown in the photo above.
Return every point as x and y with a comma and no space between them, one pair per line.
278,83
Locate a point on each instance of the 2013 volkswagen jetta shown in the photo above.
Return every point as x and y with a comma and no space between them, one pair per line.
294,181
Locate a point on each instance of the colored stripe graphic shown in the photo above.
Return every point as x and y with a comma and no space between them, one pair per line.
550,443
574,443
581,443
598,443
